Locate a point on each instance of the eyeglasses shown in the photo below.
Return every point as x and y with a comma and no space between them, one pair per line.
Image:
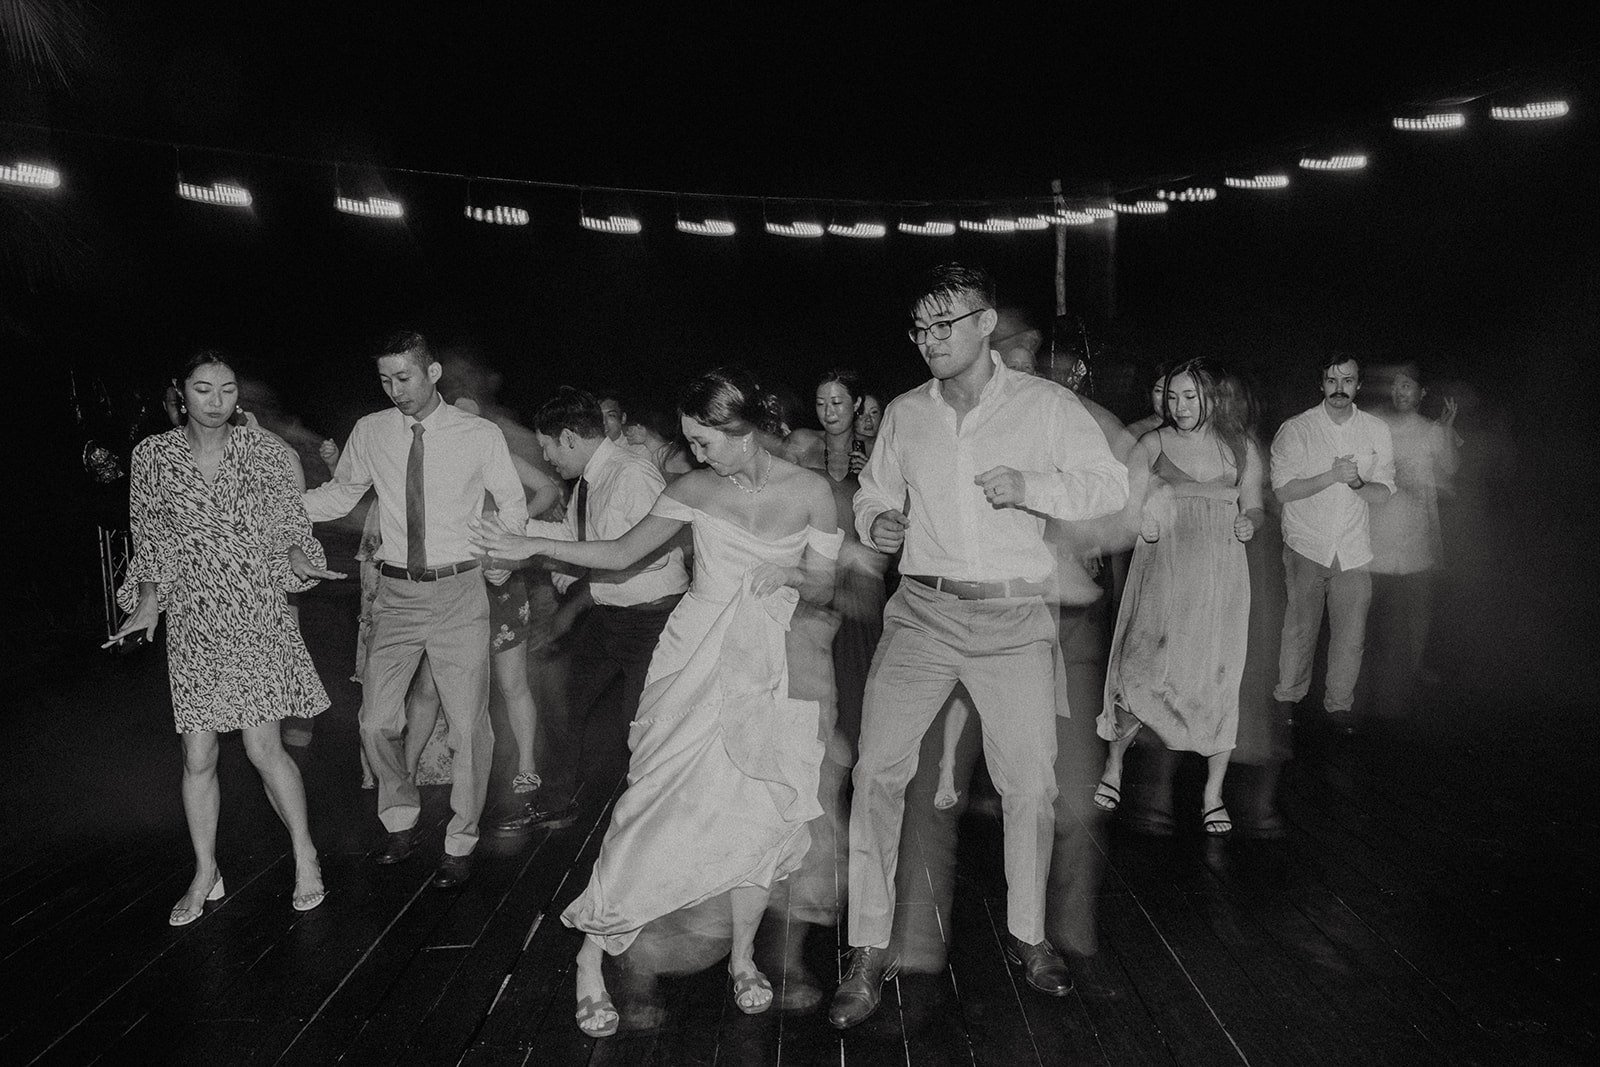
938,330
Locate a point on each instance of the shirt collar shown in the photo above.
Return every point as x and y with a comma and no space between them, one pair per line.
604,454
1355,413
437,417
996,380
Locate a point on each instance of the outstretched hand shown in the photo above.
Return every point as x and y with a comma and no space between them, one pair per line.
492,539
303,568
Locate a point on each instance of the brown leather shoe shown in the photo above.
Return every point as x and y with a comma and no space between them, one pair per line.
858,994
1042,966
397,846
453,871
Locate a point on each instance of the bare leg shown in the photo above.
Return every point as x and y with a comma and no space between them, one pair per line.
202,803
287,793
749,903
955,721
1107,799
1216,768
510,671
592,984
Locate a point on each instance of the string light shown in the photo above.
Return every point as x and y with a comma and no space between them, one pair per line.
1351,162
1139,207
707,228
1067,217
499,215
1194,194
1099,212
858,230
795,229
624,224
927,229
1032,222
30,175
1547,109
373,207
1259,181
990,225
217,194
1441,120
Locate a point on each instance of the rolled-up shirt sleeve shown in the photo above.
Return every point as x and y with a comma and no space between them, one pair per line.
500,479
1087,481
351,480
883,483
1289,454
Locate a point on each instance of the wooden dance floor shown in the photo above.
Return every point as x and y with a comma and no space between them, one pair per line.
1434,902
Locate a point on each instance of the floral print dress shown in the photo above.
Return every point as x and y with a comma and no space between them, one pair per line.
218,555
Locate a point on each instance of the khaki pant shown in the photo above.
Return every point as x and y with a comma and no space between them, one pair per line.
449,620
1346,595
1004,652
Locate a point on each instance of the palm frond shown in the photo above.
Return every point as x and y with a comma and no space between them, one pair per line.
45,35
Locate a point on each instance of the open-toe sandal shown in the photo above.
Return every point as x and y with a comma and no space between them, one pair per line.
1217,825
591,1010
182,916
1107,797
752,982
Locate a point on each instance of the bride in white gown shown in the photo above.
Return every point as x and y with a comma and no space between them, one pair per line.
724,769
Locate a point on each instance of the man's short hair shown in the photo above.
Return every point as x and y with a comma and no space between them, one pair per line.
408,343
951,282
571,409
1337,359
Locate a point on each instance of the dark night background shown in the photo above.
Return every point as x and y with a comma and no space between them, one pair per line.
1474,251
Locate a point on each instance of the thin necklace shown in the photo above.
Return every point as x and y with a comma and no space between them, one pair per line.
827,459
764,477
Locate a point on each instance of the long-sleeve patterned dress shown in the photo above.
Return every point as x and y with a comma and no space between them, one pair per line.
218,554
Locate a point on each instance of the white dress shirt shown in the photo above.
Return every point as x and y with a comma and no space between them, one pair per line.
1331,524
623,487
462,457
924,465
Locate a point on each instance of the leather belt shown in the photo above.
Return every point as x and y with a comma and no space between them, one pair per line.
1011,587
431,574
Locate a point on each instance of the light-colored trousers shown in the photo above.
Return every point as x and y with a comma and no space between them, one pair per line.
1346,594
449,620
1004,652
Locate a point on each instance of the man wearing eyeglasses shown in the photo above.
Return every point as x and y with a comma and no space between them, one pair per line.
967,469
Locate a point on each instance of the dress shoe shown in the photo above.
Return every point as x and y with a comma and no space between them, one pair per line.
397,846
858,994
537,811
1042,966
453,871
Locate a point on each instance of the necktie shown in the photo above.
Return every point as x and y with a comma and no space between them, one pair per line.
582,508
416,508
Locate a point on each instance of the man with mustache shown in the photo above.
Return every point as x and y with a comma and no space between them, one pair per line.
1329,465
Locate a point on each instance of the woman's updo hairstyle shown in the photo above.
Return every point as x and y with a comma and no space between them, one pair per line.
731,400
206,357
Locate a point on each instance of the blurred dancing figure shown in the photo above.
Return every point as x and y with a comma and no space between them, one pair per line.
1329,466
219,535
1194,496
655,433
430,464
616,488
868,419
966,469
1407,548
724,773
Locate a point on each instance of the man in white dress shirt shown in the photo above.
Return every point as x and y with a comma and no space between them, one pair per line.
617,486
1329,465
966,471
430,464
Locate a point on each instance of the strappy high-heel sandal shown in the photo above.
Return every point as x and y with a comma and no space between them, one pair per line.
182,916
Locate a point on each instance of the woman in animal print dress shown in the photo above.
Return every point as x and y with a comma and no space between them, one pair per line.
220,534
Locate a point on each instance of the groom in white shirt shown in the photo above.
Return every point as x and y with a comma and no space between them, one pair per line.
966,471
